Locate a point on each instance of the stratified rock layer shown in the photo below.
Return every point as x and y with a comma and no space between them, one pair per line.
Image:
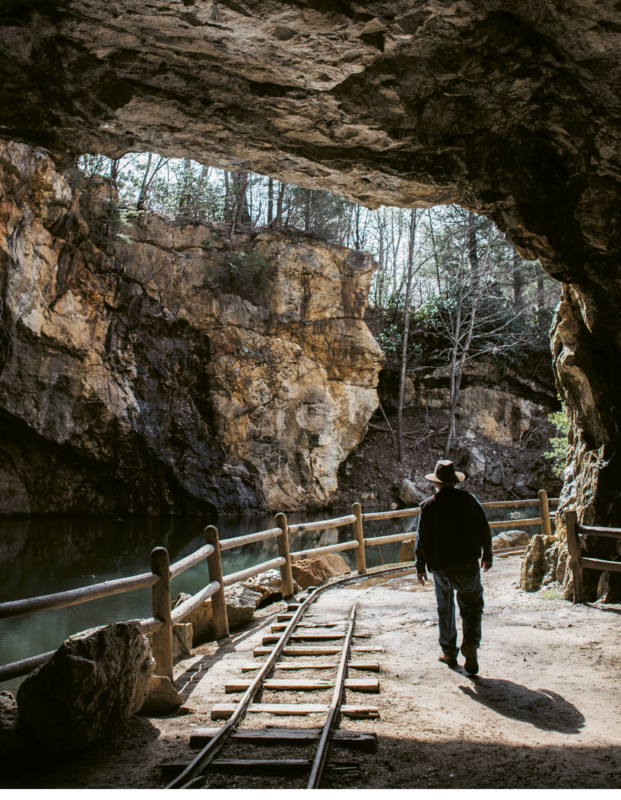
171,371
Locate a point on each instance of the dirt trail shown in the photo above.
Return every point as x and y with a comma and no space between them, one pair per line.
545,711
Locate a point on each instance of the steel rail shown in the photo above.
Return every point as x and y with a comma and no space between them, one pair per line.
211,750
321,755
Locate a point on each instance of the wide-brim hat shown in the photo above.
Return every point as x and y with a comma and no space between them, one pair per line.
446,473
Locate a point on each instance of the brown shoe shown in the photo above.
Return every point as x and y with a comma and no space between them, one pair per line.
448,660
469,652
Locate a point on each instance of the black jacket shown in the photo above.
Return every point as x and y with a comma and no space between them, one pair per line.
452,531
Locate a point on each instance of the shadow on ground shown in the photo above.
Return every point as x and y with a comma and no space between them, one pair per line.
542,708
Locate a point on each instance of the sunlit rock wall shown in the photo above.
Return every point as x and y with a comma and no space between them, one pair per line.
171,371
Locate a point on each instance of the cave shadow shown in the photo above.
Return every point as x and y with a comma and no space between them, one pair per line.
542,708
603,608
187,681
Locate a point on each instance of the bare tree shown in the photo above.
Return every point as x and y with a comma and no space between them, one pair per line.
406,331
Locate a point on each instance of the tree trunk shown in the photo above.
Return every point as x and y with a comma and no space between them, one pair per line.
227,197
540,300
307,210
406,331
270,200
518,281
473,255
142,196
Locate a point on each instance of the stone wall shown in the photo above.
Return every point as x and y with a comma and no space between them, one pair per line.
170,371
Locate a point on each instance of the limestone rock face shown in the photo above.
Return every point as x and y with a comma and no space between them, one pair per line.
89,689
533,565
146,378
510,539
314,571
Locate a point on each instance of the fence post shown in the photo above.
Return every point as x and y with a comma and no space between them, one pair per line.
218,600
544,513
286,575
160,605
361,559
573,547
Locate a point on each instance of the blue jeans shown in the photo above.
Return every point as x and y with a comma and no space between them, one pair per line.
470,601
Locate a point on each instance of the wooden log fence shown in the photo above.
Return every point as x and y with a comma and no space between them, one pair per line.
577,562
159,578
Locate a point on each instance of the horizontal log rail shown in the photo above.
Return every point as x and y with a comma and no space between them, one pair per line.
322,525
318,551
592,530
192,603
47,602
190,561
516,523
393,537
596,563
372,516
512,503
240,541
244,574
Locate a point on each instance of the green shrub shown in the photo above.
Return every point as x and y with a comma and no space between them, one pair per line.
558,454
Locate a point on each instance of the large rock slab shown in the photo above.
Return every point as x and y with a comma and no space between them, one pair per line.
510,539
269,584
315,571
89,689
241,603
411,494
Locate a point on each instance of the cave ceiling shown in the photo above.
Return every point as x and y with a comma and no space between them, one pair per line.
509,108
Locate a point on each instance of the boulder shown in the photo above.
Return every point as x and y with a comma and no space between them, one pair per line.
411,494
406,553
269,585
315,571
182,635
89,689
533,565
509,539
241,603
16,744
475,465
162,697
609,587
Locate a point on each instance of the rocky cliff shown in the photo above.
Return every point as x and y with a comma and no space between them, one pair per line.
158,367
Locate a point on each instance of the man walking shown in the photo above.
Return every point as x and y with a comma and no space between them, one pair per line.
452,531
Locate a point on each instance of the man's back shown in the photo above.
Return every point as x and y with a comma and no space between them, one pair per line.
452,531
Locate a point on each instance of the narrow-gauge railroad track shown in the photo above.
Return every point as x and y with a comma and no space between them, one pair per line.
329,637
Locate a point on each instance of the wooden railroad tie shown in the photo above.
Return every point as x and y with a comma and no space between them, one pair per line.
316,651
355,684
273,638
355,740
240,766
225,710
371,666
